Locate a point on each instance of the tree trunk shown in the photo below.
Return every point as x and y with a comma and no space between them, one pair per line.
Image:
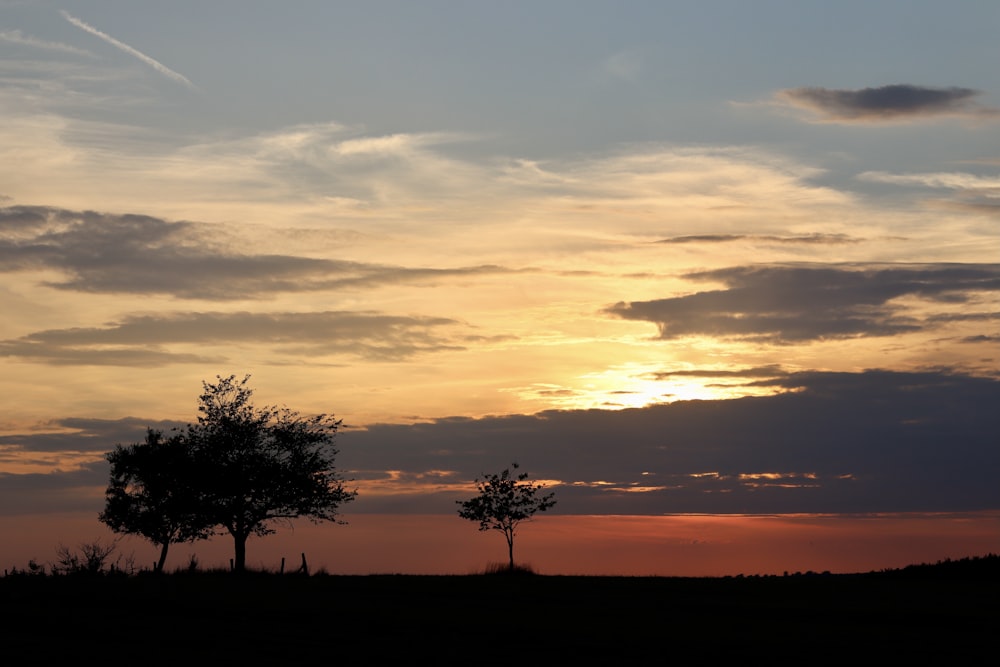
510,551
240,560
163,556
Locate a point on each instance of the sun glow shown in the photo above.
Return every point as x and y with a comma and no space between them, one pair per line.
632,386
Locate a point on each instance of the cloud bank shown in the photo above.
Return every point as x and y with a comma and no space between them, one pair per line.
876,441
837,442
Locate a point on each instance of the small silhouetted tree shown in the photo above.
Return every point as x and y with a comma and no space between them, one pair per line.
151,492
257,466
505,500
91,558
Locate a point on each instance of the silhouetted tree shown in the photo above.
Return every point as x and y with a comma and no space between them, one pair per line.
256,466
152,494
504,501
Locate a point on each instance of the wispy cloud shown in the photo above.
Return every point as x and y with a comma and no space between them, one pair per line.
155,64
17,37
391,145
946,180
806,239
396,183
769,371
624,65
966,192
885,103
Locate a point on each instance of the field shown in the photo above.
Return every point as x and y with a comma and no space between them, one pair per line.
945,613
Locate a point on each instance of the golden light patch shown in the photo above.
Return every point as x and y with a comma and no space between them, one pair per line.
397,482
639,489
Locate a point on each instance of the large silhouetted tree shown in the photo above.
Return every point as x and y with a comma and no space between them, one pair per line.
504,501
151,492
257,466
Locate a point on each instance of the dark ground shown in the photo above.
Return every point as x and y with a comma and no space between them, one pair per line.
934,614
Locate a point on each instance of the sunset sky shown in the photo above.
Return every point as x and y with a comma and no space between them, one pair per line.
724,275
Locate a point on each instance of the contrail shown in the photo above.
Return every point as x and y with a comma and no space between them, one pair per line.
158,66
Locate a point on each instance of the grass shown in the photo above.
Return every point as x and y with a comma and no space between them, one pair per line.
945,612
504,569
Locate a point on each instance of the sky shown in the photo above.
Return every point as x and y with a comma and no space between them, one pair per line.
725,276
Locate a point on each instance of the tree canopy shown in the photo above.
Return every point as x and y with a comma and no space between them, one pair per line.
240,468
258,466
505,500
151,492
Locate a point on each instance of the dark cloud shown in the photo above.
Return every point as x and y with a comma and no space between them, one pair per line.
965,317
808,239
985,338
885,103
82,486
785,304
144,340
85,435
59,491
55,355
139,254
877,441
